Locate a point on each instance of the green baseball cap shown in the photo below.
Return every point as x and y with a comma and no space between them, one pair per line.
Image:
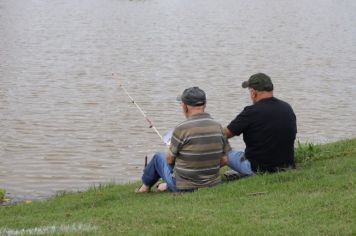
259,81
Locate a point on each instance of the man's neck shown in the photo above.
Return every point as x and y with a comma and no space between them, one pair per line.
194,111
263,95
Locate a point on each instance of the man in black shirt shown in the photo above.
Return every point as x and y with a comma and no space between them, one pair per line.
269,130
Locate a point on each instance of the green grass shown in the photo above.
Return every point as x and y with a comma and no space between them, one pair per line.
316,199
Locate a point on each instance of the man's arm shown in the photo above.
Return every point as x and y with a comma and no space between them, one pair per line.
228,134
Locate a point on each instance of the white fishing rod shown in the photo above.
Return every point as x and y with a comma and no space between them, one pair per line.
166,138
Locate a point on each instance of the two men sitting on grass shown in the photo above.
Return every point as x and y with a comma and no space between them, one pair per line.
199,145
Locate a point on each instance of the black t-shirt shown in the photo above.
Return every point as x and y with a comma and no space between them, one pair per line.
269,130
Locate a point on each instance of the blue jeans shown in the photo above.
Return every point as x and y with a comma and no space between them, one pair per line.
158,168
238,162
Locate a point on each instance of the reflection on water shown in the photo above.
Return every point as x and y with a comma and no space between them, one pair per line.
66,125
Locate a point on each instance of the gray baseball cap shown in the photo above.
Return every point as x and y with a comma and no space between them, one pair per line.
259,81
193,96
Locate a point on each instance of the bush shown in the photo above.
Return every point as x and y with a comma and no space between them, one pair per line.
2,194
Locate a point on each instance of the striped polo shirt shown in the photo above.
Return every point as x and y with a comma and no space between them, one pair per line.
198,144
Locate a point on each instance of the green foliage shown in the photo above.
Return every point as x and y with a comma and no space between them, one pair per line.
2,194
317,199
306,152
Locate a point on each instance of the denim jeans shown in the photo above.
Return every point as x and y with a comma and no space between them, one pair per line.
158,168
238,162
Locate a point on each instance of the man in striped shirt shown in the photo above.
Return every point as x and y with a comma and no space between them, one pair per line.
197,147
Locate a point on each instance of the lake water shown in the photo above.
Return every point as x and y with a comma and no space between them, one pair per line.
65,124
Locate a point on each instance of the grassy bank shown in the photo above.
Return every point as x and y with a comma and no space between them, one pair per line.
316,199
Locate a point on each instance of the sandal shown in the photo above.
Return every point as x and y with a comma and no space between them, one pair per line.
162,187
143,189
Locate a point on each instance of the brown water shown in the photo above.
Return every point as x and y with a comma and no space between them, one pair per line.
65,123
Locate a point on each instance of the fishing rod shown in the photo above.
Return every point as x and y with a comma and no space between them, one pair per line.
164,139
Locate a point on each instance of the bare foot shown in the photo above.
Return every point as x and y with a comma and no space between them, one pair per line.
143,189
162,187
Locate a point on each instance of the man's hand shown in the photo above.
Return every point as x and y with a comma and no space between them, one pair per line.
228,134
170,159
224,161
